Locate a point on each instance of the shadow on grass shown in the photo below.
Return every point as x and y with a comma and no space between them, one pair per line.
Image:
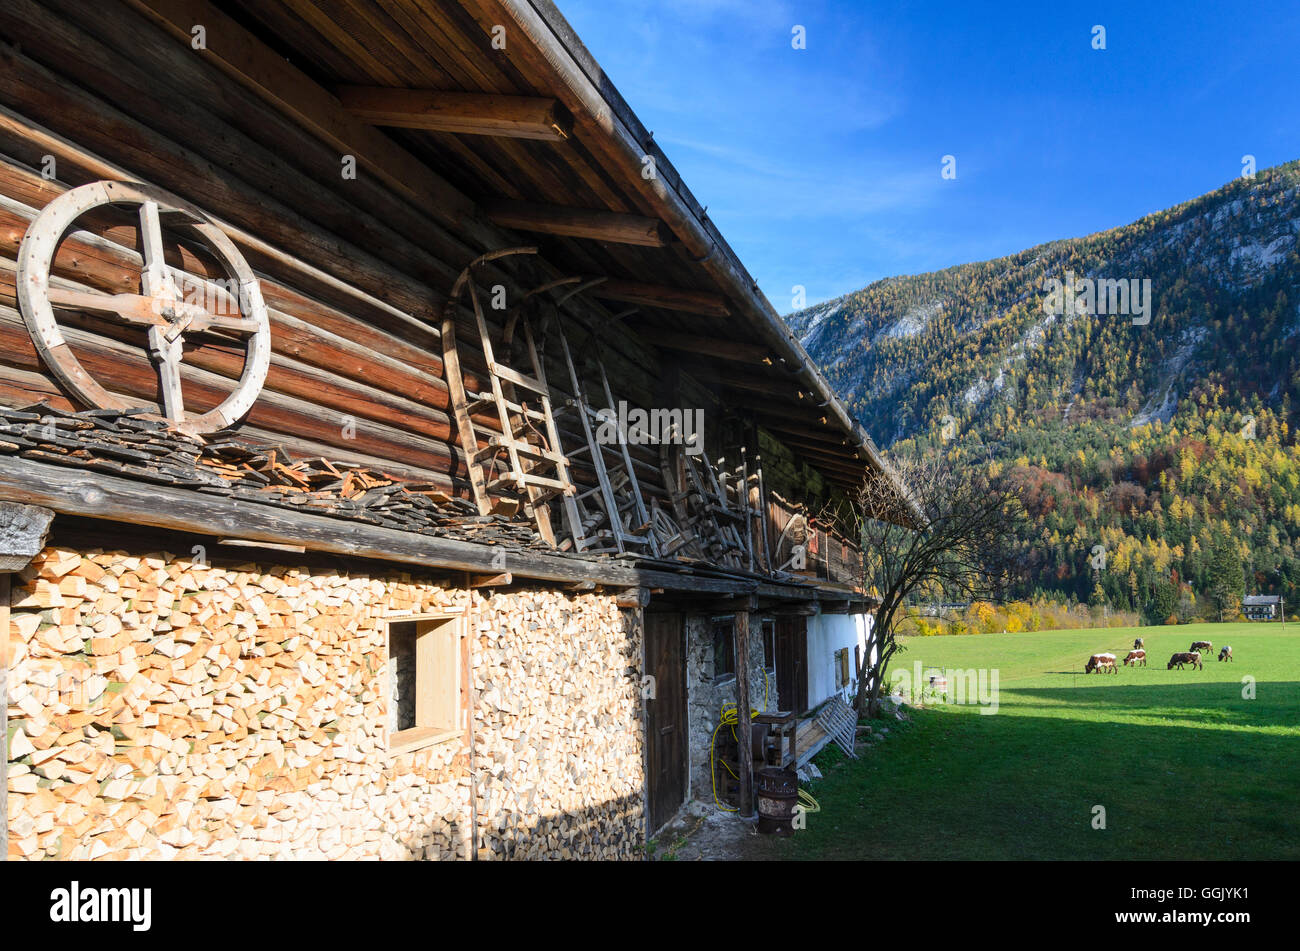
1024,785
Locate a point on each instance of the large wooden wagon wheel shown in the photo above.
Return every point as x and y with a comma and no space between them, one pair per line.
161,308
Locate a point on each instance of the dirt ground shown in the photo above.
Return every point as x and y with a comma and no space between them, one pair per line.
704,833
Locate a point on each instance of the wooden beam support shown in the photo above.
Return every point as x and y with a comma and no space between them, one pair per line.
744,734
809,431
596,225
736,351
633,598
464,113
669,298
94,495
796,609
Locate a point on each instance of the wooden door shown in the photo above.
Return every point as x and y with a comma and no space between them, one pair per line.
666,732
792,662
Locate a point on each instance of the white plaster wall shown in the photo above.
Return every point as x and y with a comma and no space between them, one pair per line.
827,633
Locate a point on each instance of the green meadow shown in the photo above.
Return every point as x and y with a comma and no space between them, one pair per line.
1184,763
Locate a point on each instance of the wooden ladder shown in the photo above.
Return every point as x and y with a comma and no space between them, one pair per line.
710,515
538,470
616,505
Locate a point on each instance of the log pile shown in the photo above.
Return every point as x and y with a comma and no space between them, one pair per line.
134,445
162,708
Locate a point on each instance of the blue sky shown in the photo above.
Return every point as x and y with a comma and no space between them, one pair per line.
822,166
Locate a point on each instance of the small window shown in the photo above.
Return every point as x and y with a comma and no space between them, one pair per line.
425,696
724,650
769,643
842,677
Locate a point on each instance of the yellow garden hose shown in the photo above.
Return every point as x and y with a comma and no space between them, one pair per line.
807,802
728,716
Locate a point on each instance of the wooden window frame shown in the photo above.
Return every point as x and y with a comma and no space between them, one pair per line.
843,675
767,629
441,656
715,622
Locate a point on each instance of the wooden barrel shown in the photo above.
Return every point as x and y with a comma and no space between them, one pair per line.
777,793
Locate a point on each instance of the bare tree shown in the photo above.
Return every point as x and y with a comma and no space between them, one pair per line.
953,536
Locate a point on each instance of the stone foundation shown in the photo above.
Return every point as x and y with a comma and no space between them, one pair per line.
164,708
706,693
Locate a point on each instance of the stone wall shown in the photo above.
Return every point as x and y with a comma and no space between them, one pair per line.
162,708
706,693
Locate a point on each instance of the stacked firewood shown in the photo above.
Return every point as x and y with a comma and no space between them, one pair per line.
162,708
134,445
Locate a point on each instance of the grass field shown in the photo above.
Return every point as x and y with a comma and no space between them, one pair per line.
1185,767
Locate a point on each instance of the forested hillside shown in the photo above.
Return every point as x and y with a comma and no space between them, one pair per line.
1166,437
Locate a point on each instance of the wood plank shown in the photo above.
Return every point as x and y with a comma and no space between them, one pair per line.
737,351
596,225
464,113
669,298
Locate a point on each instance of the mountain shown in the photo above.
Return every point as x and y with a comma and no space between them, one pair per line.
1141,384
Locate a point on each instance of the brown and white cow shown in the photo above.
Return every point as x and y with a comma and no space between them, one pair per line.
1225,653
1201,646
1138,644
1136,657
1102,663
1187,657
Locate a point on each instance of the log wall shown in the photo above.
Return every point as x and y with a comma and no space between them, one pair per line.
355,276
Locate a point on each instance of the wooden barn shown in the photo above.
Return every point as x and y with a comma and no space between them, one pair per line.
393,454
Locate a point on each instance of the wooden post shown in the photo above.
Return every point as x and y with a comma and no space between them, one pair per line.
744,733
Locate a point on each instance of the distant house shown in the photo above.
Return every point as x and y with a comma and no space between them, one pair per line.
1262,607
943,609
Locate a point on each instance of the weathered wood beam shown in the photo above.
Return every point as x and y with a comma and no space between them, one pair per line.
737,351
744,734
633,598
596,225
464,113
796,609
809,432
668,298
94,495
748,383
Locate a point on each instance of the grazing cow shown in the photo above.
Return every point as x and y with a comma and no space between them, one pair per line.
1201,646
1102,663
1138,644
1136,657
1188,657
1225,653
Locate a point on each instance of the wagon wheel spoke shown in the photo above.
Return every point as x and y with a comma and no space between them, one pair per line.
154,275
201,320
160,306
166,353
133,308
